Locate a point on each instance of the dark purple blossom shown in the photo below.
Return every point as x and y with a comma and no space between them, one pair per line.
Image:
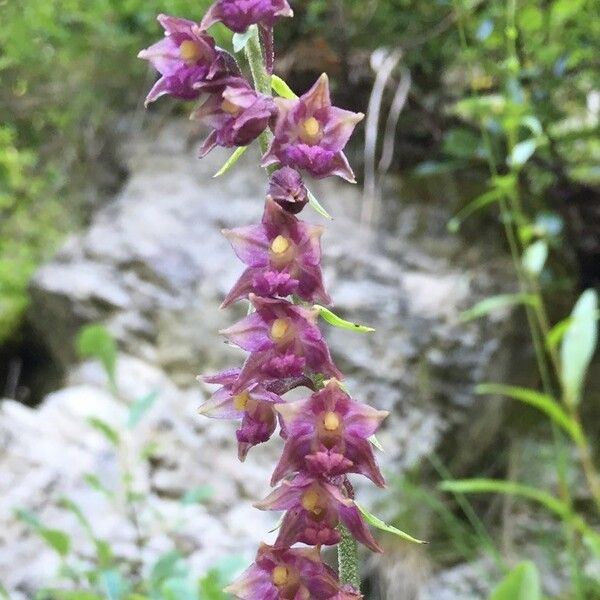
288,190
236,113
254,405
283,340
283,256
315,508
186,57
328,436
238,15
287,574
310,134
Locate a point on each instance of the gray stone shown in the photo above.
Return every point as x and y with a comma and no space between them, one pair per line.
153,268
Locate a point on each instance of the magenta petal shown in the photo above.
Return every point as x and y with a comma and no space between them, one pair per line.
352,519
251,334
250,244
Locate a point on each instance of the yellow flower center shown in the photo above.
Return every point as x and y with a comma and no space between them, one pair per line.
310,131
240,401
279,329
230,108
280,575
311,501
331,421
190,51
280,244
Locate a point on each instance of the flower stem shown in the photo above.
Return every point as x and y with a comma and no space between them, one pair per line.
348,559
348,564
262,80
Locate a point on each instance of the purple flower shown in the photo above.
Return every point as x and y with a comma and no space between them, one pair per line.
238,15
283,340
328,435
315,508
287,189
286,574
254,405
185,58
310,134
283,256
236,113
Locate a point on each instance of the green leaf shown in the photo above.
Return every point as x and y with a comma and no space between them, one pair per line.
522,152
69,505
168,566
58,540
511,488
95,341
522,583
240,40
477,204
114,585
105,429
178,588
375,442
281,88
316,206
556,334
198,494
495,302
139,408
103,552
336,321
542,402
578,345
3,593
237,154
68,595
379,524
534,257
94,482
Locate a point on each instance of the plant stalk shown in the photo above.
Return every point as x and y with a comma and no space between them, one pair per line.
262,80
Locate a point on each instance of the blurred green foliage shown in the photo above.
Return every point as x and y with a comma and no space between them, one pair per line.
69,70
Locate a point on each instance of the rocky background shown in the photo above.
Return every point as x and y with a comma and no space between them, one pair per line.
153,267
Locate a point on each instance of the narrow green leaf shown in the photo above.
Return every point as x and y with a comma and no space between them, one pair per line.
556,334
522,583
534,257
95,483
69,505
522,152
533,124
495,302
375,442
239,40
542,402
336,321
316,205
58,540
281,88
477,204
3,592
237,154
578,345
95,341
379,524
139,408
105,429
478,486
198,494
68,595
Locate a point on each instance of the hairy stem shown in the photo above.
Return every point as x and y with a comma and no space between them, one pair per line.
262,80
348,559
